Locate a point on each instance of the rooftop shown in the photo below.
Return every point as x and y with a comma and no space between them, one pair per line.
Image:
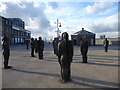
83,32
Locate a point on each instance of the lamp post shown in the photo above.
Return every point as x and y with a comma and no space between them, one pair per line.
58,31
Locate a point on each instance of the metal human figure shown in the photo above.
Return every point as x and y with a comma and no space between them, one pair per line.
84,49
40,46
32,47
27,44
36,45
6,52
55,45
65,49
106,44
49,42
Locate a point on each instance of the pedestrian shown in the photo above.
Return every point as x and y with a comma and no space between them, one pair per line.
6,52
84,49
40,46
106,44
65,52
32,47
36,45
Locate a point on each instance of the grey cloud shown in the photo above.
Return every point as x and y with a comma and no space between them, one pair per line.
109,24
99,8
27,10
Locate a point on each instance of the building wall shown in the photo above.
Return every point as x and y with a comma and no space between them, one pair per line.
15,35
112,41
77,38
19,36
0,29
6,27
17,22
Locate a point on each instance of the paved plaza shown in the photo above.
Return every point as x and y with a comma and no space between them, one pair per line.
101,71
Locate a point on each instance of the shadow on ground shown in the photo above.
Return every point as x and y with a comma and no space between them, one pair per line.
89,62
77,80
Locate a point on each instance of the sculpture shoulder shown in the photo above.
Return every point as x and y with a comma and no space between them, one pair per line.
60,43
70,42
42,41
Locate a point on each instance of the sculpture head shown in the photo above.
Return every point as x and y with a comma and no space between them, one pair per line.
40,38
65,36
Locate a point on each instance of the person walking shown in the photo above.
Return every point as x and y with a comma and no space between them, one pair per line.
6,52
84,49
65,52
40,46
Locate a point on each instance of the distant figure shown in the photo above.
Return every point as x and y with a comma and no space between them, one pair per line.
32,47
49,42
6,52
27,44
55,45
36,49
84,49
65,50
40,46
106,43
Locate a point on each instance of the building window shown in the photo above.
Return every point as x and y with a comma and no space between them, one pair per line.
24,34
6,22
3,20
16,40
7,30
21,40
13,40
15,32
9,23
12,31
19,33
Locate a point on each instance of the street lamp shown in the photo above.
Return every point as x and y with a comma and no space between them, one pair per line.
58,31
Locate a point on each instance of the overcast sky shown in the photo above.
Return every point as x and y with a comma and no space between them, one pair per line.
100,18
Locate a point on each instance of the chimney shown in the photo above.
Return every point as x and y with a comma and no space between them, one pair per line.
82,28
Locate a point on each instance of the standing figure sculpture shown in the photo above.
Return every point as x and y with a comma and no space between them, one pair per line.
84,49
106,43
6,52
32,47
40,47
36,45
27,44
55,45
65,51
